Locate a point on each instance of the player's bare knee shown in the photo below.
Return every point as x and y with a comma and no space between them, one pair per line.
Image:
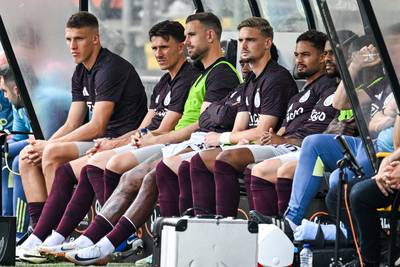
96,160
228,156
286,170
117,164
130,182
259,170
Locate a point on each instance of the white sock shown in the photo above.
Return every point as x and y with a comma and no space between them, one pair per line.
308,231
31,242
106,247
54,239
291,224
84,241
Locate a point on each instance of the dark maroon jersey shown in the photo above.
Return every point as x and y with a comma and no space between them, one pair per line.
310,111
113,79
171,94
268,94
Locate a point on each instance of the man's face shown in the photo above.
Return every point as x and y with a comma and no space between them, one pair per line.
308,59
81,43
252,44
167,53
246,69
330,61
10,93
196,40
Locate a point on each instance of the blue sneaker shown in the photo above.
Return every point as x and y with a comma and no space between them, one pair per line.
133,245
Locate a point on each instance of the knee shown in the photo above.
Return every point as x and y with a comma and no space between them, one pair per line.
356,194
286,171
259,170
149,180
51,154
228,156
117,164
95,160
130,182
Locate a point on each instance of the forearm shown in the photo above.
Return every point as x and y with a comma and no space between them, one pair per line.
62,131
250,134
340,99
86,132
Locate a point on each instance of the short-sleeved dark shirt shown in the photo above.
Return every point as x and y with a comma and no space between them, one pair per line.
268,94
170,95
113,79
310,111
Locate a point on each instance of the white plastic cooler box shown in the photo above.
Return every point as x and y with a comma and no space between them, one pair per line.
200,242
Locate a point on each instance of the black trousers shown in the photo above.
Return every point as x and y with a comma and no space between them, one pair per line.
365,198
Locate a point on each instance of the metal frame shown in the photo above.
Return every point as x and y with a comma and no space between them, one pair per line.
19,80
346,78
83,5
198,6
309,14
365,5
255,9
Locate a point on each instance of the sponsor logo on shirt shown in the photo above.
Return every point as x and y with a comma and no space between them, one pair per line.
253,120
85,91
292,115
317,115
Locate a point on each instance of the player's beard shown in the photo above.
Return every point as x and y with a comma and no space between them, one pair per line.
198,54
305,74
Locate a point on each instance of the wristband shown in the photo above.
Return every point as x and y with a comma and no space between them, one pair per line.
225,138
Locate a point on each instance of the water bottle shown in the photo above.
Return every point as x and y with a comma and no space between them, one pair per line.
143,131
306,256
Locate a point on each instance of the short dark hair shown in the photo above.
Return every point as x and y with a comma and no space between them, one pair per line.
83,19
28,74
209,20
259,23
8,75
316,38
168,28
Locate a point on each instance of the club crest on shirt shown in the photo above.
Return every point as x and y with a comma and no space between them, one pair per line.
167,99
257,99
85,91
305,97
328,101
